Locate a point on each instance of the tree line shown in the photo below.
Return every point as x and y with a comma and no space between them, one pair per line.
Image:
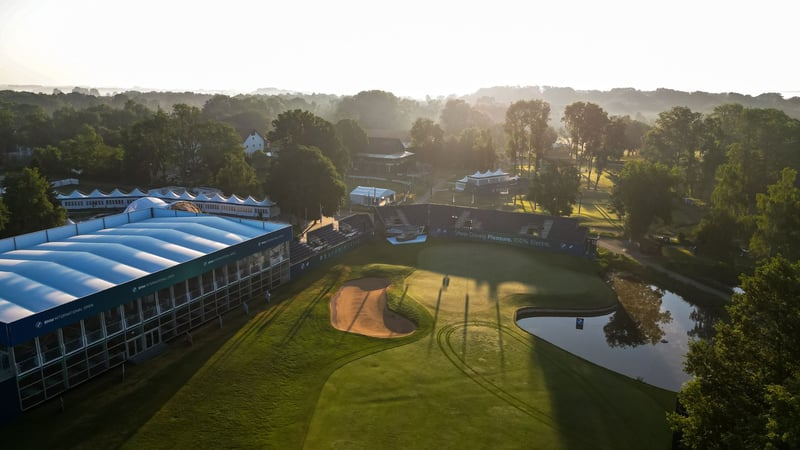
741,161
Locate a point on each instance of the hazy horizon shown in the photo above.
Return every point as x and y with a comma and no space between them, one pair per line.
413,50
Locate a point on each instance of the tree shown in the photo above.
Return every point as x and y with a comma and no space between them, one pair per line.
717,233
778,219
185,123
612,147
556,189
675,141
758,144
7,131
746,382
478,149
218,142
734,191
148,149
236,176
353,138
372,110
33,127
49,161
643,192
304,182
298,127
527,131
4,216
261,163
87,151
457,115
586,126
244,113
31,203
427,139
635,132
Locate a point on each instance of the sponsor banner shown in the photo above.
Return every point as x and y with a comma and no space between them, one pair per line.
520,240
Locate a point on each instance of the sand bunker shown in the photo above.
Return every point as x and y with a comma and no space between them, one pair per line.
360,307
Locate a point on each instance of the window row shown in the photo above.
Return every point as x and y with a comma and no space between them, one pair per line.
73,337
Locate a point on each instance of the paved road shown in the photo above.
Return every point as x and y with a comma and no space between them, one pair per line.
440,185
630,250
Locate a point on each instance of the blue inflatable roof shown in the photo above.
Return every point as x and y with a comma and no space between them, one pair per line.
51,268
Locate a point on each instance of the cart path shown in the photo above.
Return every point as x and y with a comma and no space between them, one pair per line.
629,250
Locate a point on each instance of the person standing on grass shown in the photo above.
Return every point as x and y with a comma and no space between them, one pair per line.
268,296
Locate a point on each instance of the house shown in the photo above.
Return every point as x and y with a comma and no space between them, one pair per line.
254,143
384,156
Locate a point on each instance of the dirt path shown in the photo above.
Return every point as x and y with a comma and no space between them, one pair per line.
630,250
439,185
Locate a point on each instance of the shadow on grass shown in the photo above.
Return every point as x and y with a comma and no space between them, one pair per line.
466,324
402,298
435,318
360,308
591,405
107,410
500,336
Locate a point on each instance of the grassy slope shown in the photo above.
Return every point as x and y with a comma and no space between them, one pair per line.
260,389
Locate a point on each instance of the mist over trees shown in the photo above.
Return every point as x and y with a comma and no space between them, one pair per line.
725,154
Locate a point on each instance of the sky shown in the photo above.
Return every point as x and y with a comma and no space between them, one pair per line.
412,48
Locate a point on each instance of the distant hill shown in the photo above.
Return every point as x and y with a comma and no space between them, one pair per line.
493,101
643,105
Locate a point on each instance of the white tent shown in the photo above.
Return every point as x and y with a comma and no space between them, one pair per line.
146,203
372,196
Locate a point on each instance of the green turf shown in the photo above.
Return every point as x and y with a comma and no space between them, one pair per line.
468,378
478,381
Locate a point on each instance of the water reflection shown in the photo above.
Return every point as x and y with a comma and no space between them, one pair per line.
639,320
645,338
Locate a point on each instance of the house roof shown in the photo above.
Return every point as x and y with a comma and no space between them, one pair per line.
168,195
385,146
374,192
489,174
384,156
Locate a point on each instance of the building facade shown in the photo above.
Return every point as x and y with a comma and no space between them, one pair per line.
78,300
214,203
254,142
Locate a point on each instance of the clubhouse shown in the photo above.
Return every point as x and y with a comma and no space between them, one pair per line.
78,300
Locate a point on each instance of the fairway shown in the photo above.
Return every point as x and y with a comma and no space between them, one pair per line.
468,377
478,381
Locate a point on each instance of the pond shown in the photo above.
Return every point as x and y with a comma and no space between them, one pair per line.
646,337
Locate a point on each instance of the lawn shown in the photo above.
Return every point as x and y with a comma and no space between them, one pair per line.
478,381
284,378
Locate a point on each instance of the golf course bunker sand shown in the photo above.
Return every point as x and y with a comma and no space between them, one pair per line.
359,307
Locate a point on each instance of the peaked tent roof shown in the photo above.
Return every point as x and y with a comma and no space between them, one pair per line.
374,192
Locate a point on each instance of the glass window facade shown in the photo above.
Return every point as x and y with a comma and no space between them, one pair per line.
51,363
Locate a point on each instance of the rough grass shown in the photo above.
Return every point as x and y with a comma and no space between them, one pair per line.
284,378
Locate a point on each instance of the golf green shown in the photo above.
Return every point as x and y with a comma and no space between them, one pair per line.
478,381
